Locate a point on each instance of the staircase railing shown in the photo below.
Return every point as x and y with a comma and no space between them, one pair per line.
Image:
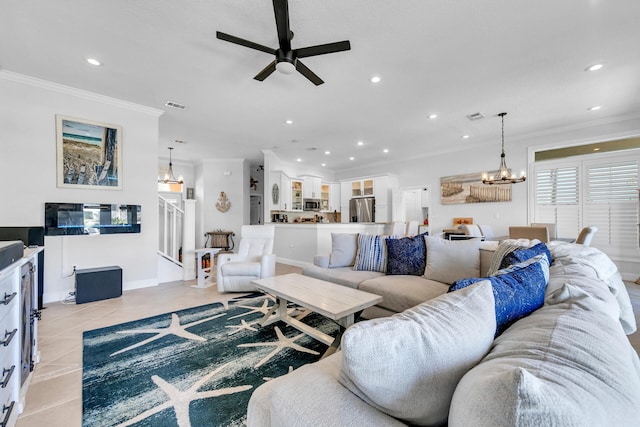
171,226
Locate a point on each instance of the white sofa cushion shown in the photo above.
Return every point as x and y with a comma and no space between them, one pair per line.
567,364
450,260
344,247
408,365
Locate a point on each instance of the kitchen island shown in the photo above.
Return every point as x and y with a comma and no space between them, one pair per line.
297,243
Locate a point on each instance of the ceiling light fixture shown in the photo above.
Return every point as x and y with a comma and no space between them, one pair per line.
375,79
433,116
360,143
298,159
595,108
352,158
324,164
289,122
386,150
594,67
465,136
94,62
168,177
504,175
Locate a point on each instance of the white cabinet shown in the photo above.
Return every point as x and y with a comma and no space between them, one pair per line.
362,188
280,197
285,192
381,187
18,294
296,195
311,187
334,197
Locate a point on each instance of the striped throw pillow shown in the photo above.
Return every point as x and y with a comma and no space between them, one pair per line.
372,253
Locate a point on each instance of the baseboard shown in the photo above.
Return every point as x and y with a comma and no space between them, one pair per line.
137,284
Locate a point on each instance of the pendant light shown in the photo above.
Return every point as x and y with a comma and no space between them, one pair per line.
504,174
168,177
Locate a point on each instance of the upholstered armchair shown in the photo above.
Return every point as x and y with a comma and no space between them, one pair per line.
254,260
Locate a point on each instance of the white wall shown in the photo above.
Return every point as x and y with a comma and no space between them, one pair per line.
28,160
212,177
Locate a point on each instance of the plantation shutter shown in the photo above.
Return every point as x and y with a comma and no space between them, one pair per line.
612,205
557,198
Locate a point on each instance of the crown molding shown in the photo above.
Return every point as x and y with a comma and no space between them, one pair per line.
68,90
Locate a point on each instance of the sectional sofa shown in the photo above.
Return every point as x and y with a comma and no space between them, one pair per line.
535,343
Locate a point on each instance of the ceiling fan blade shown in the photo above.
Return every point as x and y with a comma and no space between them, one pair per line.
243,42
322,49
281,10
308,73
266,72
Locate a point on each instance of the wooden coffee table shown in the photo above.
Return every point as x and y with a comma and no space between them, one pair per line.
339,303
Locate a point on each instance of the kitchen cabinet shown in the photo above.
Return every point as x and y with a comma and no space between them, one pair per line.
312,187
334,197
296,195
280,198
325,191
362,188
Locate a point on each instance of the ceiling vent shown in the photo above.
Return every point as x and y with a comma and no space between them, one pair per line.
175,105
475,116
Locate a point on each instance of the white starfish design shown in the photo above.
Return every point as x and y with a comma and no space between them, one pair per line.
264,309
174,329
243,326
282,343
180,400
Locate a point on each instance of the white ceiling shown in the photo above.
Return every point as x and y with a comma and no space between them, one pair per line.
451,58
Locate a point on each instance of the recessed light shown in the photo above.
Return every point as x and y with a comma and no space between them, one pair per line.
289,122
375,79
94,61
596,149
386,150
324,164
595,108
298,159
594,67
433,116
327,152
352,158
465,137
360,143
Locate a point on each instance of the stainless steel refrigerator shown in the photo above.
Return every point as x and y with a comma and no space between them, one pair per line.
362,209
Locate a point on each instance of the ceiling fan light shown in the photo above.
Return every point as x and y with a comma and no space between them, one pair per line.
285,67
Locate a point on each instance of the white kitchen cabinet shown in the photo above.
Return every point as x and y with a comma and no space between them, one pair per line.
312,187
280,192
285,192
362,187
334,197
296,195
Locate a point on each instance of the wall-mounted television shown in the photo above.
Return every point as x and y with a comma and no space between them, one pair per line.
73,219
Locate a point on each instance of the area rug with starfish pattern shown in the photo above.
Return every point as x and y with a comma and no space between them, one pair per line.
193,367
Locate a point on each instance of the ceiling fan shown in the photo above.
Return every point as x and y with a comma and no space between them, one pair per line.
287,59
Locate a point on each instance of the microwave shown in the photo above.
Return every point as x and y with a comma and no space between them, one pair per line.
311,205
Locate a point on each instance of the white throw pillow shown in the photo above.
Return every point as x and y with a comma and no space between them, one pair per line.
450,260
344,247
409,364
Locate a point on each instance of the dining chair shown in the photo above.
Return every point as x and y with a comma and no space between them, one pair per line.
586,235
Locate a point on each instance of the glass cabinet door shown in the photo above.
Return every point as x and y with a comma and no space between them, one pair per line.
356,188
296,195
324,197
368,187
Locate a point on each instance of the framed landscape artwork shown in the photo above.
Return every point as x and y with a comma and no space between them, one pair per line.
89,154
468,188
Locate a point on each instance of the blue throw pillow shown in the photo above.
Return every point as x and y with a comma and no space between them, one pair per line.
406,256
372,253
523,254
518,290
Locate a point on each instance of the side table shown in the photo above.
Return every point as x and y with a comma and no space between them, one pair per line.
205,274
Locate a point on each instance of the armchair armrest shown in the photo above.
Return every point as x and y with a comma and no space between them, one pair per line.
268,267
321,261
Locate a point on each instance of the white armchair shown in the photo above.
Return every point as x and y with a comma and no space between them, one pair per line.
253,261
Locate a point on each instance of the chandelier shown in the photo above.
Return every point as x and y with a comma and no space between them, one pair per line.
168,177
504,174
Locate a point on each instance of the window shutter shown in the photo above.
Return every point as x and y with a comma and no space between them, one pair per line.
557,197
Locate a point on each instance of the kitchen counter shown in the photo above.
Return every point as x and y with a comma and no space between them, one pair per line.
297,243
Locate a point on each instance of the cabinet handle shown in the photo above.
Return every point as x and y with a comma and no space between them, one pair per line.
7,298
7,375
8,410
8,336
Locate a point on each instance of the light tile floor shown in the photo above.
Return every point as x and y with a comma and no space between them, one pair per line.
55,393
54,397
